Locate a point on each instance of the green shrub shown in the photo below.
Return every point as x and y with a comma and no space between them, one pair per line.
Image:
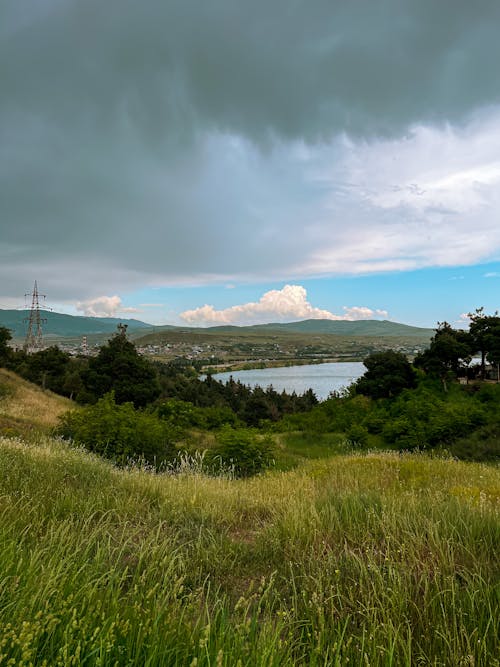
215,417
404,433
119,432
482,445
178,415
357,435
182,415
242,451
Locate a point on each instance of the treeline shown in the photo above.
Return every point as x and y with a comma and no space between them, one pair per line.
118,368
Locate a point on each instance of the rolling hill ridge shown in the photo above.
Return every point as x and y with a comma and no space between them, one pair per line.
67,326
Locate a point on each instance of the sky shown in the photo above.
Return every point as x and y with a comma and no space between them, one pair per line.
199,163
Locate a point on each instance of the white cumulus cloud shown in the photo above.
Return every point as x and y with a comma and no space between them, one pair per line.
104,306
287,304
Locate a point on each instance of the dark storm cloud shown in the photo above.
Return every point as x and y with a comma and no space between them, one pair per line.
287,67
153,140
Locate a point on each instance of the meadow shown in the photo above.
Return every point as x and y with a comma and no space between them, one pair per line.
375,559
379,558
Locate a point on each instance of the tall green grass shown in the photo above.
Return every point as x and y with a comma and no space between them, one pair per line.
360,560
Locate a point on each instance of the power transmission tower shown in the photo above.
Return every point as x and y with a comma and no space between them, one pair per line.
33,341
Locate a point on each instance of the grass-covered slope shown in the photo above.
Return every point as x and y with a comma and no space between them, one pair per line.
25,407
361,560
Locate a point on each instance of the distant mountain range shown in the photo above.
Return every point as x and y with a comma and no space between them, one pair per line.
71,326
66,326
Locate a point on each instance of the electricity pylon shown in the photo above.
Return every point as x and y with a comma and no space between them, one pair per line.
33,341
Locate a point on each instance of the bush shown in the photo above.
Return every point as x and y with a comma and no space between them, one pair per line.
119,432
182,415
242,451
357,435
482,445
405,433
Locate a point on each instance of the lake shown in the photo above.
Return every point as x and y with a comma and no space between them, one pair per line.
321,378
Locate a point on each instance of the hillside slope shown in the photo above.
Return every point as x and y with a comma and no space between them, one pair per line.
26,407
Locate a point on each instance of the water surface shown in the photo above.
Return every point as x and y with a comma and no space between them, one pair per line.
321,378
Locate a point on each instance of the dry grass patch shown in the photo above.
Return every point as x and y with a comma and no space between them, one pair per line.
26,406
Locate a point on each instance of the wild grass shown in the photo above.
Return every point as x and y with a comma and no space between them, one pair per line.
375,559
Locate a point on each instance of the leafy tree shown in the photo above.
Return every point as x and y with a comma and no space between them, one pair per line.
387,374
118,367
484,332
492,343
449,349
5,350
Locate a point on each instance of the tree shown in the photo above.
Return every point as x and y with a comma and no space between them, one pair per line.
483,330
449,349
492,342
4,347
119,368
387,374
47,368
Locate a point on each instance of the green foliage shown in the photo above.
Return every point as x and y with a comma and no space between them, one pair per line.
5,350
243,451
357,435
480,445
484,333
179,414
119,368
420,418
335,415
426,417
450,349
387,374
119,432
47,368
183,415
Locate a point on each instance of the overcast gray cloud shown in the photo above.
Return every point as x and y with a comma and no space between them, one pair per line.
161,141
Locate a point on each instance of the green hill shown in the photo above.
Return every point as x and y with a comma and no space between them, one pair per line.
336,327
60,324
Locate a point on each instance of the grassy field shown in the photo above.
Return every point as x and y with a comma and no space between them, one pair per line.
376,559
